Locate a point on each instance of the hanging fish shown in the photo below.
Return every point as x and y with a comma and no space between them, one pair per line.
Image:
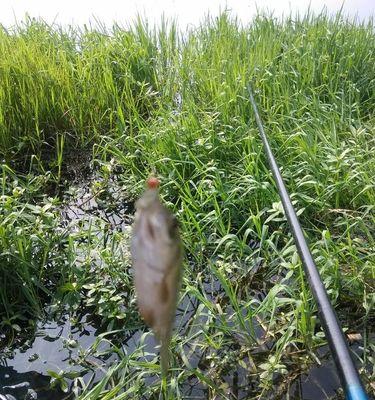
157,261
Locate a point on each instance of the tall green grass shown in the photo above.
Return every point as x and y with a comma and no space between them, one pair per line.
154,100
77,83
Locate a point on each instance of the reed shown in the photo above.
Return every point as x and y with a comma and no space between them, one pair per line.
153,100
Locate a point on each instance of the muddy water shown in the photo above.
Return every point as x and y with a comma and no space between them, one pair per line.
60,345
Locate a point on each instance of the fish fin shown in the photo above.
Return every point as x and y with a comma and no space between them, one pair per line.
164,291
147,314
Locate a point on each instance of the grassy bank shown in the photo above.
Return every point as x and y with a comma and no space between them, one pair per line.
71,84
146,100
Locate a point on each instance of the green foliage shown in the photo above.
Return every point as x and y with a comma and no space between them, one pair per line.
157,101
79,84
32,245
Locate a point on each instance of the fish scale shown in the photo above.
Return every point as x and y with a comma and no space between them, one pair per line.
157,260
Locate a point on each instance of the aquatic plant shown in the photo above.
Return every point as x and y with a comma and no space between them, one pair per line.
152,100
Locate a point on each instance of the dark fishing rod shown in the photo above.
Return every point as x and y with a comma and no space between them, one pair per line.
348,373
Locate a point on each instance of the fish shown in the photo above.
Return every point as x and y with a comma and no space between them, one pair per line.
156,252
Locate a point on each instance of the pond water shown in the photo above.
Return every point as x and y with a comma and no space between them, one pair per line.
57,346
63,346
53,348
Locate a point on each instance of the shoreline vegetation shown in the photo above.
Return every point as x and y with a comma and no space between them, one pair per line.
101,110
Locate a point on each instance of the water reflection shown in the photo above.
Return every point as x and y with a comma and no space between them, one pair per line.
61,346
27,385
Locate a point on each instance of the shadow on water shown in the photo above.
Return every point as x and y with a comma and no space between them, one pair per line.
320,383
61,345
27,385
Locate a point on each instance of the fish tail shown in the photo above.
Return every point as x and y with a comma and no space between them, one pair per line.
164,356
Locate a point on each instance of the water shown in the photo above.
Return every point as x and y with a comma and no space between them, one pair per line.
53,348
58,346
320,383
63,345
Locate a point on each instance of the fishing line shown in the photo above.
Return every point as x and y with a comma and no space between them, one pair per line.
348,373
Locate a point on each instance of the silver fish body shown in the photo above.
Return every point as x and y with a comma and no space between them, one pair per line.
157,260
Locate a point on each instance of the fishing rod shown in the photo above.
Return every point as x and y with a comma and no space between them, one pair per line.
348,373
